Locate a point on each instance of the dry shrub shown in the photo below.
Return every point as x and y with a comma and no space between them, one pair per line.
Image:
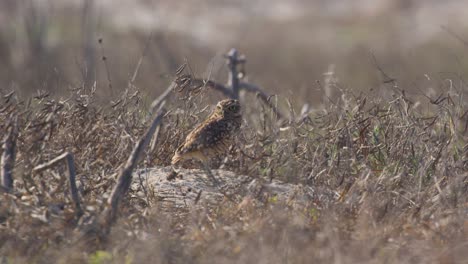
399,171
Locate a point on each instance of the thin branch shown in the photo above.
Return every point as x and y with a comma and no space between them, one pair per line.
387,79
50,163
265,98
106,66
234,59
186,81
7,162
72,182
160,100
235,85
194,85
125,178
455,35
140,60
68,157
215,86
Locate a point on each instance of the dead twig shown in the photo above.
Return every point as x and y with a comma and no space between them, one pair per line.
140,60
125,178
194,84
231,89
162,98
106,66
234,84
8,157
262,95
455,35
386,77
68,157
233,60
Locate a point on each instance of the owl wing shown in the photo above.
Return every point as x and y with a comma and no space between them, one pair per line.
203,136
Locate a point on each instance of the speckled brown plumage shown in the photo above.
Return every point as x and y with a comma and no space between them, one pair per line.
214,135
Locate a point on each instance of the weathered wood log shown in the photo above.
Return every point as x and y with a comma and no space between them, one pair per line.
196,189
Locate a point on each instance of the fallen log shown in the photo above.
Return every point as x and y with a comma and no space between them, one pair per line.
194,188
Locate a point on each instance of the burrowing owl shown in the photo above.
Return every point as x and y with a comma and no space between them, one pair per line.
214,135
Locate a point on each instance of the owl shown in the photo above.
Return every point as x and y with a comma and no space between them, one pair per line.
214,136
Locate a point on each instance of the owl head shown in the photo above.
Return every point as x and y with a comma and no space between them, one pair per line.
228,108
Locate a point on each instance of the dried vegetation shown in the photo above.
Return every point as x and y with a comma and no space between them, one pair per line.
398,169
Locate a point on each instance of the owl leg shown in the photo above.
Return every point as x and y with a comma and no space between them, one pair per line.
174,172
206,166
172,175
176,163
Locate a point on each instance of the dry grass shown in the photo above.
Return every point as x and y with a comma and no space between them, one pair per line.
398,168
393,152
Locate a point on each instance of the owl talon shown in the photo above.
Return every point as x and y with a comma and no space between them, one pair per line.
173,175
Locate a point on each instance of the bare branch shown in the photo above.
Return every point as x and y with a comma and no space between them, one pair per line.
235,85
194,85
106,66
125,178
140,60
215,86
455,35
8,157
234,59
72,182
50,163
386,77
231,90
157,103
265,98
68,157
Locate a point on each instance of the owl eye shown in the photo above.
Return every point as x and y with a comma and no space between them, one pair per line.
232,108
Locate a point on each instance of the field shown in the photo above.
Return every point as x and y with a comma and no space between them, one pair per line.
384,134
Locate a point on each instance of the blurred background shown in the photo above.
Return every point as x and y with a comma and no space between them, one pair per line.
291,46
